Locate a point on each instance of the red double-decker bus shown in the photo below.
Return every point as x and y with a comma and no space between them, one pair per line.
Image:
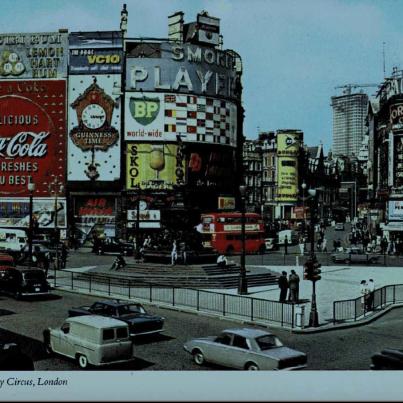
222,232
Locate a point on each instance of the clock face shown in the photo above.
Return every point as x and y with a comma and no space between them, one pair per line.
93,116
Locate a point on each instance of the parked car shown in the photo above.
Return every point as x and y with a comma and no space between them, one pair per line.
91,340
271,244
23,282
113,245
339,226
13,359
249,349
354,255
140,322
389,359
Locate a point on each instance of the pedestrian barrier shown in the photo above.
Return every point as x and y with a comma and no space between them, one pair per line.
228,305
358,308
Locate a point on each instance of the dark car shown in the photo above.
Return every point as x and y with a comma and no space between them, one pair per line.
388,359
113,245
140,322
24,282
13,359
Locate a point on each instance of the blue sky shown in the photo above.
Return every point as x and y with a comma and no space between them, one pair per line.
294,51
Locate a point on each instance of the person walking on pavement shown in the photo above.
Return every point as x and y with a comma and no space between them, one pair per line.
63,256
371,295
384,245
286,245
293,283
283,285
174,253
324,245
302,245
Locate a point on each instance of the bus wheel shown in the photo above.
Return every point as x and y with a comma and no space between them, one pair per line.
230,250
262,250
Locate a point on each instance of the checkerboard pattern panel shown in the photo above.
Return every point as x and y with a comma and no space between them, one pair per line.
200,119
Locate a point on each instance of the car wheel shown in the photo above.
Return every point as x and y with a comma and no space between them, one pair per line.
99,251
251,366
17,295
347,261
82,361
262,250
198,357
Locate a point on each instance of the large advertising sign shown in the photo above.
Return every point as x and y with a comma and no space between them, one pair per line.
397,161
96,52
210,167
94,127
40,55
287,171
32,135
164,117
184,68
14,212
395,210
154,166
95,210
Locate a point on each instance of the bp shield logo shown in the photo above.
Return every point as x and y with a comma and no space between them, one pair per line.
144,110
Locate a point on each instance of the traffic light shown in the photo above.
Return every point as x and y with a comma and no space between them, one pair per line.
308,270
316,272
312,270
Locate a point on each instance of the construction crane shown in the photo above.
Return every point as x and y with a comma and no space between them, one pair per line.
349,87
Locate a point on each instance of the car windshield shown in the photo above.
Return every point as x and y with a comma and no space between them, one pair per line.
34,275
267,342
130,308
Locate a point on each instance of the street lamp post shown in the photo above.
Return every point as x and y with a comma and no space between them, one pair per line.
137,251
31,189
303,186
243,284
56,188
313,316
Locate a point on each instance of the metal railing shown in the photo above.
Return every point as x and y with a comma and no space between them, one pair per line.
228,305
354,309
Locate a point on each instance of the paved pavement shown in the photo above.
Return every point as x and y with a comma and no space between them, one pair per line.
337,283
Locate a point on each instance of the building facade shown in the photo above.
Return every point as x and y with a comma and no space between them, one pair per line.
349,123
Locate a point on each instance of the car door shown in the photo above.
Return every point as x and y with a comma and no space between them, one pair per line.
240,352
219,350
61,341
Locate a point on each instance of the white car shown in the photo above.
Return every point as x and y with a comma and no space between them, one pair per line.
91,340
247,349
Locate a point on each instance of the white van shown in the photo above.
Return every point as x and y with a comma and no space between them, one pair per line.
13,239
292,237
91,340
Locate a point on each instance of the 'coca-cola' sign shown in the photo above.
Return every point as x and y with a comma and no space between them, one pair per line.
32,136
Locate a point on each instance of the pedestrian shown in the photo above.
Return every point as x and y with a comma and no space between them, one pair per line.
184,249
286,245
283,285
302,245
371,295
384,245
364,293
324,245
222,261
63,256
174,253
293,284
